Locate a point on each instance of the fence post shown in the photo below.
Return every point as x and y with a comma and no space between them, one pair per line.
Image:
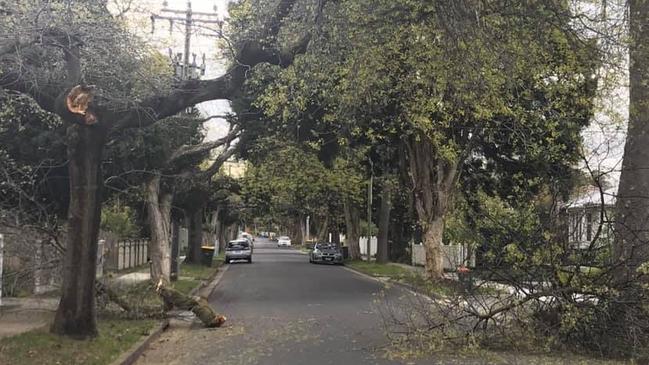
130,254
122,245
100,259
137,252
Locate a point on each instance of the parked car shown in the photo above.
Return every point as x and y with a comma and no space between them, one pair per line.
248,237
238,250
284,241
328,253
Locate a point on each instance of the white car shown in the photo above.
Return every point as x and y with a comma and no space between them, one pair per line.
284,241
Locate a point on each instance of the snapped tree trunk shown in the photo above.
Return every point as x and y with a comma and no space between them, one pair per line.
199,306
195,237
382,249
433,179
159,215
353,228
76,314
631,246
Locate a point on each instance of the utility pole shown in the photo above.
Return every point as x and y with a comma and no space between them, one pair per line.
307,227
2,246
190,19
184,70
369,213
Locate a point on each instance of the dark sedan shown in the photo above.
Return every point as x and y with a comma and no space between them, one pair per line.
328,253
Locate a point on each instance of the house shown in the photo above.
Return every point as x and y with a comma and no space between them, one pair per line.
589,217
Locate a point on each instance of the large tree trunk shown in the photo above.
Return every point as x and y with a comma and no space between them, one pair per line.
300,230
223,236
195,237
322,229
433,180
432,234
159,214
632,216
382,249
76,315
353,228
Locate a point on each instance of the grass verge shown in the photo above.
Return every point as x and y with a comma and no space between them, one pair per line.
191,275
41,347
116,335
414,279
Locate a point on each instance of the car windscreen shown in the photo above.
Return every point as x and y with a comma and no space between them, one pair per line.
238,245
284,238
325,246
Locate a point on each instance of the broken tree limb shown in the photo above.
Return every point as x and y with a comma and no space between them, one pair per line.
102,289
197,305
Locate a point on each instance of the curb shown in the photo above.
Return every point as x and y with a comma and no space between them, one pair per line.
387,280
208,281
130,357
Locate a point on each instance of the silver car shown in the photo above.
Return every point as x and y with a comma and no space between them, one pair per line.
328,253
238,250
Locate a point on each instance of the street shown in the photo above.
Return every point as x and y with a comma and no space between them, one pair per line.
283,310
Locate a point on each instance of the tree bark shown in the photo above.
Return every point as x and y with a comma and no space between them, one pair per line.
322,230
223,236
299,230
631,247
382,249
76,315
353,228
195,237
433,179
432,234
159,215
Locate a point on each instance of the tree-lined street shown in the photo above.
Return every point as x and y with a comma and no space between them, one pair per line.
283,310
489,155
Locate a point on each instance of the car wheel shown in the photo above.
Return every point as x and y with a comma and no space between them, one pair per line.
226,261
250,260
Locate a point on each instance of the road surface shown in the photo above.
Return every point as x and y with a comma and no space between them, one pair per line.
283,310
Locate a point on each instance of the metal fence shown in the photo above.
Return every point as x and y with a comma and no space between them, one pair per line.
132,253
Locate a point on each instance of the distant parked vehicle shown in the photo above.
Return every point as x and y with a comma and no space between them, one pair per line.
328,253
239,249
247,236
284,241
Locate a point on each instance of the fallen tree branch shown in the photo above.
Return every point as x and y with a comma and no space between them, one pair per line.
197,305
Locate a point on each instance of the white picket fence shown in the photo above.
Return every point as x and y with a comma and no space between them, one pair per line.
455,255
363,243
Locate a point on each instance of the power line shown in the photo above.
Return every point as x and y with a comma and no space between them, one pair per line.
183,68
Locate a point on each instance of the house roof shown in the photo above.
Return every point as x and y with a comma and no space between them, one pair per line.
593,196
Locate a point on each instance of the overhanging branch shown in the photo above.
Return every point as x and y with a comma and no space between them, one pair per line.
187,151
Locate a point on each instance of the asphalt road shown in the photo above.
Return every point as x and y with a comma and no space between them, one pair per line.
283,310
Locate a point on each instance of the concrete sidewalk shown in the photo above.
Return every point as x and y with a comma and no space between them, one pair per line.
19,315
